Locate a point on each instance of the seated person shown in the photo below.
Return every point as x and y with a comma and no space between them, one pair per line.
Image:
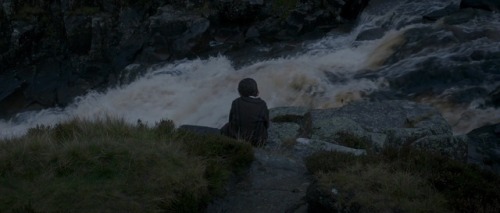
249,116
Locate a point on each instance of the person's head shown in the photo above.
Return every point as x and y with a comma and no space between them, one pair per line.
248,87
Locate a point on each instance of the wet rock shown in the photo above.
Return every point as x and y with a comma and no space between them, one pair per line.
282,134
479,55
393,123
288,114
295,22
251,33
286,126
490,5
9,87
79,33
380,124
438,75
370,34
376,116
435,15
454,147
417,40
463,16
351,9
238,13
467,95
176,33
331,129
4,31
399,137
309,146
131,73
304,19
495,97
484,147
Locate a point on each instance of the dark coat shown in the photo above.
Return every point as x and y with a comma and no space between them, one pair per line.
248,120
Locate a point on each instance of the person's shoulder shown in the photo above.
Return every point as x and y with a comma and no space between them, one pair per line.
236,100
261,102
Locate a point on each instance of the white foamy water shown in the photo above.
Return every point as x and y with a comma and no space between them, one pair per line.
200,92
203,92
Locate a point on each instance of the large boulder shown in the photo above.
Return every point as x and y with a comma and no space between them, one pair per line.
420,67
484,147
174,34
286,126
397,122
370,125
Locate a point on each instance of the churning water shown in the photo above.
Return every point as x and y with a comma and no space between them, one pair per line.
200,92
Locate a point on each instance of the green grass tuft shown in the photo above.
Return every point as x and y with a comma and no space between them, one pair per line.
111,166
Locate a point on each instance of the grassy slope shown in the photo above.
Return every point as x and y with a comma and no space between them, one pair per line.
111,166
405,181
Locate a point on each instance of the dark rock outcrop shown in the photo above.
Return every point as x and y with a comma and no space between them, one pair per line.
370,34
491,5
435,15
495,97
448,60
484,147
380,124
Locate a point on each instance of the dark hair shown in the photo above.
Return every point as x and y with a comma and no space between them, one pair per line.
248,87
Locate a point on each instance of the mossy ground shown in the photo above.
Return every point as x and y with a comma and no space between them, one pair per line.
111,166
405,180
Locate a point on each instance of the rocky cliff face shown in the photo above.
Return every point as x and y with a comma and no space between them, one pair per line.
53,51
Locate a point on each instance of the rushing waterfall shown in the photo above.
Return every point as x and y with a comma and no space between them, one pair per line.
329,72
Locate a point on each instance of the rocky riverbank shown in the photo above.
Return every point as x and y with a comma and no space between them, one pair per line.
278,180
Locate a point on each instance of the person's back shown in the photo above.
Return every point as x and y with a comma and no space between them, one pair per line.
249,116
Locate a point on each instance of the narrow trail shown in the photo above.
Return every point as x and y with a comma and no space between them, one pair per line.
277,181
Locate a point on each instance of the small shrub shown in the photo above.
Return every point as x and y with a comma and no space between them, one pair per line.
164,128
376,188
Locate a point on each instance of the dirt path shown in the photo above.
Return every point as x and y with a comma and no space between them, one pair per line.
276,182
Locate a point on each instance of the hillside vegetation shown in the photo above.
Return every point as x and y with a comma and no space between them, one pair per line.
111,166
400,180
